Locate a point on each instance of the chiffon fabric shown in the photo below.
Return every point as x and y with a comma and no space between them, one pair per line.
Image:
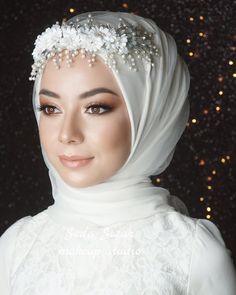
156,99
123,236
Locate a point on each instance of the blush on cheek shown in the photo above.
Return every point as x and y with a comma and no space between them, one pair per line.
118,146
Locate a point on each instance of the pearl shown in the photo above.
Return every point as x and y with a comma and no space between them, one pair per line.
141,45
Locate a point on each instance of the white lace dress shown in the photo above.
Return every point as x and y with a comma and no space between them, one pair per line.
165,254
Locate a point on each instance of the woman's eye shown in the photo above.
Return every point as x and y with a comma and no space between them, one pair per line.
47,109
96,109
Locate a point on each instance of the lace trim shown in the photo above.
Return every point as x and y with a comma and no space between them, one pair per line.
150,259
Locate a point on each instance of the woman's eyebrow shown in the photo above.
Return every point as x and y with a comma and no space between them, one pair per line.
82,95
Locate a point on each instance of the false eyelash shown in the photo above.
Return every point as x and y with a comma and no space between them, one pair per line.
42,107
104,106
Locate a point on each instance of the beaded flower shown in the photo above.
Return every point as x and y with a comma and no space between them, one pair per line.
90,38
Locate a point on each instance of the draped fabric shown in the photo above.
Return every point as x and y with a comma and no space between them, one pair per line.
156,99
123,236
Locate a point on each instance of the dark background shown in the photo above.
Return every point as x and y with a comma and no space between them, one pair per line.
202,172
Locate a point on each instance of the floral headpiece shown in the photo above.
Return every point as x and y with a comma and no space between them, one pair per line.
126,40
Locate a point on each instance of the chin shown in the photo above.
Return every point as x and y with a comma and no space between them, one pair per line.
78,182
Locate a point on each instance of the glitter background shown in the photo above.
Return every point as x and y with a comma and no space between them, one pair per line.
202,172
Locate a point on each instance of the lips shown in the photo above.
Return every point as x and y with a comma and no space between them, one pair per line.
73,158
74,161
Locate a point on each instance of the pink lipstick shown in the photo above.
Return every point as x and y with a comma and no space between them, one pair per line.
74,161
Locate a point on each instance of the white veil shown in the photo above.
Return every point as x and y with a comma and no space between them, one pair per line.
156,99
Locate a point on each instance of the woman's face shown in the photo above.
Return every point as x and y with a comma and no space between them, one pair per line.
83,114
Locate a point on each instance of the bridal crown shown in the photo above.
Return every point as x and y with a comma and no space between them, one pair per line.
69,39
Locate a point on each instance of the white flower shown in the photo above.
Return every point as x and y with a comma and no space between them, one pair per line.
109,37
122,44
69,35
46,41
96,36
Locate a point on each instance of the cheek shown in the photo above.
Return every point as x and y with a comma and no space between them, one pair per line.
47,133
112,137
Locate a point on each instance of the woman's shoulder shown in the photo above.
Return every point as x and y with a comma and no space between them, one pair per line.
11,233
206,236
211,267
200,228
21,225
202,235
21,232
16,241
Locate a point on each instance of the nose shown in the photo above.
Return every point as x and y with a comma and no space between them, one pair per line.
70,131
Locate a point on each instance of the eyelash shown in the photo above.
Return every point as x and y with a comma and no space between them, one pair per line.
43,107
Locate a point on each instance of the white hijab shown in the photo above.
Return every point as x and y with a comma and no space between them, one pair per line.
156,99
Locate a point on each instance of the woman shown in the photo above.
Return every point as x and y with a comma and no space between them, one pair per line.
110,99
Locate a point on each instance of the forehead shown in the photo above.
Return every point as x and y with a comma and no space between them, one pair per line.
79,74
